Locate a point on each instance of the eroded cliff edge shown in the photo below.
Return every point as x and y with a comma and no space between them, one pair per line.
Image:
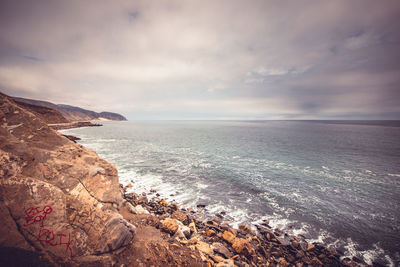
58,200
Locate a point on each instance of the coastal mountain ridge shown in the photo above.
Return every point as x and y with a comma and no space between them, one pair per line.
70,113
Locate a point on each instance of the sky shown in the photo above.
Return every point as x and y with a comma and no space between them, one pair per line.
205,59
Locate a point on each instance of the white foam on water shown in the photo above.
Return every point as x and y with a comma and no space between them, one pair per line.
201,185
394,174
367,255
322,237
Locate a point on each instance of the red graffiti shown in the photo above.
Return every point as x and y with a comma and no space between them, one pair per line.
35,215
47,236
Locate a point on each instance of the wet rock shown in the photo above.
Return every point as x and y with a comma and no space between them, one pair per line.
245,228
278,232
201,205
174,207
164,203
310,247
219,215
142,200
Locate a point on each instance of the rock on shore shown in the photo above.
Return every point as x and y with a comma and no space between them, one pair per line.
58,199
62,205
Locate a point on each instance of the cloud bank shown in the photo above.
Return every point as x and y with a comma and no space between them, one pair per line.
206,59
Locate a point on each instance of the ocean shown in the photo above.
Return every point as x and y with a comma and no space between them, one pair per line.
334,182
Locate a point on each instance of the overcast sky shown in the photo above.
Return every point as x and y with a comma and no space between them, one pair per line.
206,59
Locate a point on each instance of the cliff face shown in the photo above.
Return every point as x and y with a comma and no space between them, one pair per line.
112,116
58,199
72,113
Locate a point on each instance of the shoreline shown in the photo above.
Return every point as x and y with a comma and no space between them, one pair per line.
220,244
275,246
262,247
63,204
74,124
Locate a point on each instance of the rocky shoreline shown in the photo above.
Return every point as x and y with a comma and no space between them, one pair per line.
62,205
221,245
75,124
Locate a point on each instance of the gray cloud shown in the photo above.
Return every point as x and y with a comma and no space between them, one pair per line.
206,59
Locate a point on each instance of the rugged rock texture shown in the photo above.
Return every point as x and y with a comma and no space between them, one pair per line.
62,205
58,200
72,113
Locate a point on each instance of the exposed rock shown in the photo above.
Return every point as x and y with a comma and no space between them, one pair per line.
245,228
137,209
49,200
226,263
192,227
228,236
204,247
283,262
61,202
310,247
210,232
217,258
169,225
164,203
71,137
241,246
180,216
221,249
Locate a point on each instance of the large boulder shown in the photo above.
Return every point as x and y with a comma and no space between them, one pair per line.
57,198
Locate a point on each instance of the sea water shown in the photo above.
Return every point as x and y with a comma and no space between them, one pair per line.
335,182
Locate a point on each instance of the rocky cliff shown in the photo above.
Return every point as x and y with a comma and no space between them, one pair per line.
58,200
62,205
73,113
